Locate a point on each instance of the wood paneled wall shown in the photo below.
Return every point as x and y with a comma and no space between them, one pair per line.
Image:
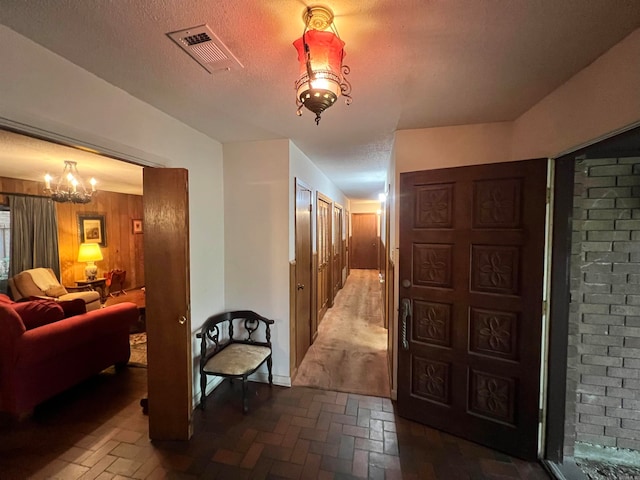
124,249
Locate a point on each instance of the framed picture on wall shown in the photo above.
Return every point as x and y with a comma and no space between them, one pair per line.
91,228
136,225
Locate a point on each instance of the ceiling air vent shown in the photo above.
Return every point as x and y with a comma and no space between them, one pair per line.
206,48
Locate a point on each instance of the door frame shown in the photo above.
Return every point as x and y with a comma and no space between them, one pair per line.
338,230
387,264
106,148
615,144
347,241
559,294
320,197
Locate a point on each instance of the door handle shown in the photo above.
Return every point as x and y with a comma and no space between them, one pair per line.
300,286
405,313
182,320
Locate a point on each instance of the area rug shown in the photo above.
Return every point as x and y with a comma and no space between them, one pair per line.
350,351
138,343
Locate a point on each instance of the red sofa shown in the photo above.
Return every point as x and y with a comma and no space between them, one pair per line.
42,354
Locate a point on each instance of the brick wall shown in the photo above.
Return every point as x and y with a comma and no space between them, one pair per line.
604,323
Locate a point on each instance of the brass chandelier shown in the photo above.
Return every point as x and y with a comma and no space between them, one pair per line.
70,186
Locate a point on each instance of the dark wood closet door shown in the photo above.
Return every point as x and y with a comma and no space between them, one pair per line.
323,222
303,271
168,320
364,241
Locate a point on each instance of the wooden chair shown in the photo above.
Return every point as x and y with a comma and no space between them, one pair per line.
224,354
116,277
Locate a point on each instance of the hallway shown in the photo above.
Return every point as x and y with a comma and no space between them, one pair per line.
350,352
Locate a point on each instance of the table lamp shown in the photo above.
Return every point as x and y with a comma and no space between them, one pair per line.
90,253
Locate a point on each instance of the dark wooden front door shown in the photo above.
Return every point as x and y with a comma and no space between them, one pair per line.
470,284
364,241
303,271
168,321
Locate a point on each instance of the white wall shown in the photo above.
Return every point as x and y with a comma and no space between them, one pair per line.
300,167
47,93
365,206
259,212
602,98
256,232
442,147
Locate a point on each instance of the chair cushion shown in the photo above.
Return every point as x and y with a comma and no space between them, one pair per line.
36,313
56,291
88,296
237,359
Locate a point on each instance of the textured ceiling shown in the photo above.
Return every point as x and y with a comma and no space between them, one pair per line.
28,158
414,64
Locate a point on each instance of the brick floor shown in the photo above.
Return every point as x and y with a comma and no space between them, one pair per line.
97,431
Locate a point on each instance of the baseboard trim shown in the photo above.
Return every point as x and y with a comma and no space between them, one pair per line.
280,380
214,382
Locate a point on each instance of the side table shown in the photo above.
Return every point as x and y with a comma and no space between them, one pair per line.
99,285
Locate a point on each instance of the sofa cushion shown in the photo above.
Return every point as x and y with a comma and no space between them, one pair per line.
11,328
39,312
73,307
5,300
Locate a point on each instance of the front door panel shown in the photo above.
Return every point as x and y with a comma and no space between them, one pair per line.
470,286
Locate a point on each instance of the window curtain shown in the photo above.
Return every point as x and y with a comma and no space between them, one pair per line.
34,234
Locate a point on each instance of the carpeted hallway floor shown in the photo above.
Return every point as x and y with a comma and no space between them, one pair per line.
350,351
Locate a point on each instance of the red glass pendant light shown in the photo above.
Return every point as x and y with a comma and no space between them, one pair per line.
320,54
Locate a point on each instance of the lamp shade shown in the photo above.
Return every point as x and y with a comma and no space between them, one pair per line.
325,59
320,81
326,51
89,252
